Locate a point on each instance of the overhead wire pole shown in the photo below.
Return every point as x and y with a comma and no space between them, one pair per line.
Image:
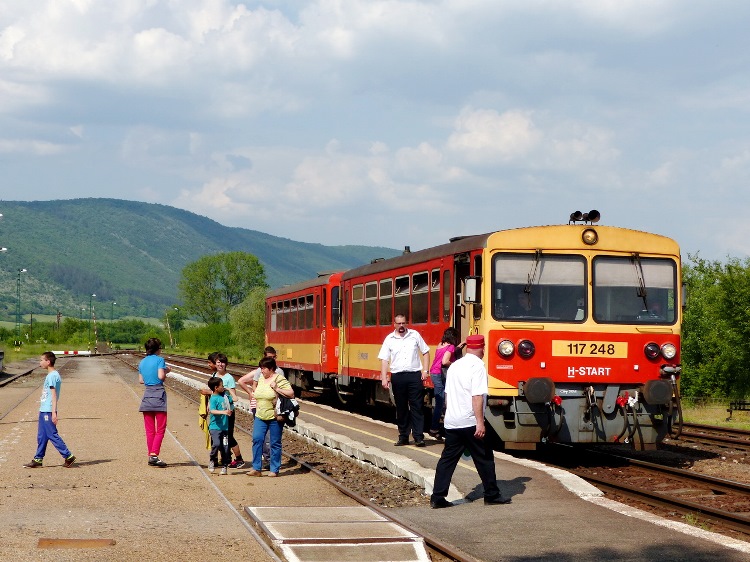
18,303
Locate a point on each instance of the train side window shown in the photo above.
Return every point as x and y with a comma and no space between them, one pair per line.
386,302
335,307
402,297
420,297
356,312
447,295
371,304
273,317
435,296
309,312
285,316
293,314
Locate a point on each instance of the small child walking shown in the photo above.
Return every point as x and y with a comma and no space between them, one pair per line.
220,408
47,428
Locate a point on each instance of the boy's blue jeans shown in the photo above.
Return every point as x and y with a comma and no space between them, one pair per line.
46,432
260,428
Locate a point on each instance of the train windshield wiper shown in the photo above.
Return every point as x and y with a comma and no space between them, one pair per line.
531,275
641,292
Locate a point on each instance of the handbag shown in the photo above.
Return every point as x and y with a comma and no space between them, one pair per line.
286,410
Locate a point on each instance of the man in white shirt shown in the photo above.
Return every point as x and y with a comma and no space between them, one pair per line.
408,357
466,397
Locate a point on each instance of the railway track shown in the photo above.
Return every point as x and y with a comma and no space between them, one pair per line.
724,437
672,492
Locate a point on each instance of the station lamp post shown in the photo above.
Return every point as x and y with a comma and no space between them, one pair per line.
111,321
18,303
91,313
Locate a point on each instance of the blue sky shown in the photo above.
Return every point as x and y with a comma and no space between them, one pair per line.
387,123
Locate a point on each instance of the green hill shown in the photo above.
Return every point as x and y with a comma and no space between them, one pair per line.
133,253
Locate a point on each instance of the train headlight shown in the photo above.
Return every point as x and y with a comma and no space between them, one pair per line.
651,350
590,237
505,348
668,351
526,349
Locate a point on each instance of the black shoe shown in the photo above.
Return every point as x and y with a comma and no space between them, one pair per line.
420,443
434,433
440,503
401,442
499,500
156,461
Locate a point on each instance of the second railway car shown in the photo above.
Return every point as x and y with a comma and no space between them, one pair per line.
582,324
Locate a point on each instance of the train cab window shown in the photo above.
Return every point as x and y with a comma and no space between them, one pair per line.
371,304
538,286
435,296
634,290
385,318
403,289
420,297
447,296
357,300
309,312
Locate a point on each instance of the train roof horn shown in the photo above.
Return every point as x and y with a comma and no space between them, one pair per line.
591,217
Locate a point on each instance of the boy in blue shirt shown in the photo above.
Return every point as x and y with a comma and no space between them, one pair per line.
47,428
220,407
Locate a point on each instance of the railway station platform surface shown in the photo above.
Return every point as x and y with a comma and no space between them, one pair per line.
111,506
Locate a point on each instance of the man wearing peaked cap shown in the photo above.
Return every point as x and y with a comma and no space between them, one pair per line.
466,398
475,342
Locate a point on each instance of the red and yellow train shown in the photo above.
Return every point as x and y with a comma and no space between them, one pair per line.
582,324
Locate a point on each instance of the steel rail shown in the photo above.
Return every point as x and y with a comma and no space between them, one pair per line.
734,521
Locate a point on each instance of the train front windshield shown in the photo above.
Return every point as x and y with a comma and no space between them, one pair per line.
552,288
634,290
543,287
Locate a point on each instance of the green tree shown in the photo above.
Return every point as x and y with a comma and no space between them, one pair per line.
716,328
211,286
248,323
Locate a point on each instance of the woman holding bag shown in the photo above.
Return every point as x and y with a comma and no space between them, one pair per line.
269,386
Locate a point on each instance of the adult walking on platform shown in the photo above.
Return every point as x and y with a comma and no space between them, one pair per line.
152,371
408,357
466,398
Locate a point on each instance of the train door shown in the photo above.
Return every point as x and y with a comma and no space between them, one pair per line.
461,270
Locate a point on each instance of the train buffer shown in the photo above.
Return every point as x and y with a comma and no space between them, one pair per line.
738,406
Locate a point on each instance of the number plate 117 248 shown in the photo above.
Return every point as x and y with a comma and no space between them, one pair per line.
569,348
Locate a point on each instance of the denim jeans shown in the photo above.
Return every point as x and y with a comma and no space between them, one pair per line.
260,428
438,381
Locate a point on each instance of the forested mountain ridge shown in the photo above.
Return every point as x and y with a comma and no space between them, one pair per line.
133,253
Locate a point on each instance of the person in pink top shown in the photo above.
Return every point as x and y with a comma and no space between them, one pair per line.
445,354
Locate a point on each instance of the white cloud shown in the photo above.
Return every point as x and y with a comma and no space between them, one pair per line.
484,136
